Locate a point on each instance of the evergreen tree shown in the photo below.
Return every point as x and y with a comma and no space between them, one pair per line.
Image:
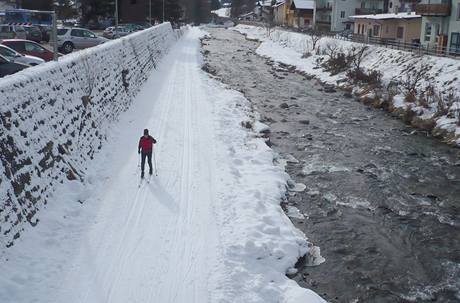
94,9
215,4
65,9
43,5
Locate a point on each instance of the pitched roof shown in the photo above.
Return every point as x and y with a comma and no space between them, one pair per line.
411,15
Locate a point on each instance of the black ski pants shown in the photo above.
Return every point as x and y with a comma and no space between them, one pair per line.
147,155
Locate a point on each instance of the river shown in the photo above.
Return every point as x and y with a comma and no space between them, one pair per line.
382,199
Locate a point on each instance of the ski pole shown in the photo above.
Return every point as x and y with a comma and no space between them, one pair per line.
155,161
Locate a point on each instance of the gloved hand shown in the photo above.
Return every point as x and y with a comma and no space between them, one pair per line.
138,151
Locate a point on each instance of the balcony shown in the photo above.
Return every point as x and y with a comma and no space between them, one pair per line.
440,9
368,11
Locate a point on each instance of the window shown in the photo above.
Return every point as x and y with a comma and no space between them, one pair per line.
400,32
386,29
342,14
88,34
427,31
17,46
455,43
76,33
61,31
376,30
458,11
391,4
7,52
348,26
32,47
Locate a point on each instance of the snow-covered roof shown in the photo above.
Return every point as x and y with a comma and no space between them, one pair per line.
279,3
265,3
410,15
304,4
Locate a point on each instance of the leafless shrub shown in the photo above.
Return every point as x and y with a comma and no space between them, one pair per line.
409,85
357,55
306,55
372,77
315,37
269,24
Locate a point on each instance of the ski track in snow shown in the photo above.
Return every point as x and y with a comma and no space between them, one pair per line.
160,239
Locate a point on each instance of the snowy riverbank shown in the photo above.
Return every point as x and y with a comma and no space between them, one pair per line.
434,82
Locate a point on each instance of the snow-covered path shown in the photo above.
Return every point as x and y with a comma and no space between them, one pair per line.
209,228
157,242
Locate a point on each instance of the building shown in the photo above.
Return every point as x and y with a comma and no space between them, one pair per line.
402,6
401,27
341,12
301,13
440,25
279,13
368,7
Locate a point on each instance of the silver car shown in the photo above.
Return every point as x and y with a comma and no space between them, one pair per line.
16,57
69,39
12,32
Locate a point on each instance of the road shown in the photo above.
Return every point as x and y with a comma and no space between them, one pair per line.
382,199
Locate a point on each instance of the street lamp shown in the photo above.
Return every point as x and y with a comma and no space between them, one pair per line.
150,12
116,18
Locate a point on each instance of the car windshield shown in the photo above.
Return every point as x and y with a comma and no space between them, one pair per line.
5,51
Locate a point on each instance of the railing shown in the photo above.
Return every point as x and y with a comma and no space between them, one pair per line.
416,48
368,11
439,9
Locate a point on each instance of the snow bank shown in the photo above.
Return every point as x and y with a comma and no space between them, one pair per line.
55,117
260,243
443,74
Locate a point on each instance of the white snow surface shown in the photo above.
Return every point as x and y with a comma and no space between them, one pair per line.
209,228
442,73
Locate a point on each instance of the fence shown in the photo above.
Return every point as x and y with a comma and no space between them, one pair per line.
416,48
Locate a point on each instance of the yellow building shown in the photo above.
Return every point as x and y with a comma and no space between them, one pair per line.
401,27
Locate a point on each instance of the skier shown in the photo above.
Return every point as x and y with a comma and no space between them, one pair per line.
146,146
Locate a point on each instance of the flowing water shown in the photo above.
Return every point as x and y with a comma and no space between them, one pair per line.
382,199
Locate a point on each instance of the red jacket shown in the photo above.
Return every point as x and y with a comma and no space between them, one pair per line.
146,143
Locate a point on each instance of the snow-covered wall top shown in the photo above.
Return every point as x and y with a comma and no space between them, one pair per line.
54,118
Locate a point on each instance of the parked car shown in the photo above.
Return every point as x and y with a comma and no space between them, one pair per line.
46,32
133,27
12,32
31,48
347,33
69,39
14,56
115,32
33,33
8,68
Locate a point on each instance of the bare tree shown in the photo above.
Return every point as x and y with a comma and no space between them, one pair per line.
315,36
357,55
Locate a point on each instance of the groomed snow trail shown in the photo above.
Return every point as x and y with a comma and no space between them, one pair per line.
157,242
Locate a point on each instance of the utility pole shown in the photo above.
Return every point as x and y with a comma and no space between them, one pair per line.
54,33
150,12
116,18
163,11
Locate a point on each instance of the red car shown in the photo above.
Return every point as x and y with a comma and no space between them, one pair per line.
27,47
